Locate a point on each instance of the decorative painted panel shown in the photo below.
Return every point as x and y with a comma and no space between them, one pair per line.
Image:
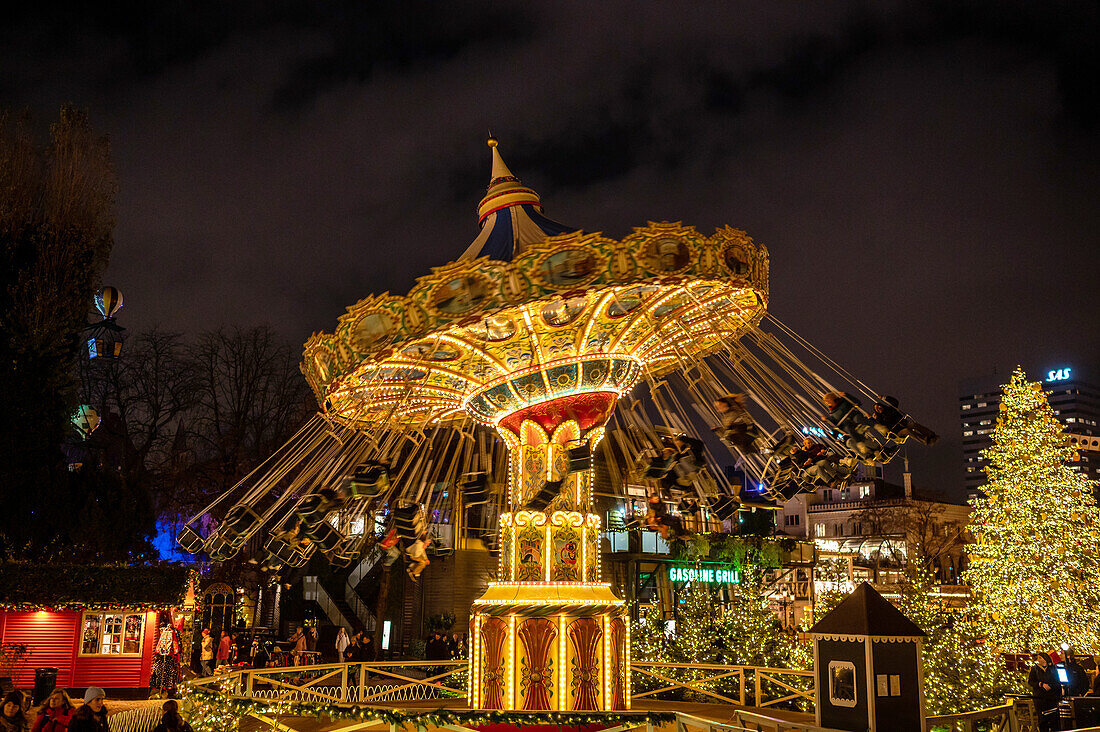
536,682
584,636
494,631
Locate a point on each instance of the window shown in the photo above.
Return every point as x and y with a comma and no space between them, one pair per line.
845,494
792,520
827,495
857,528
965,407
112,634
819,529
864,491
968,433
842,683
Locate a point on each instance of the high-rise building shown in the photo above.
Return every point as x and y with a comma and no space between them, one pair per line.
1075,401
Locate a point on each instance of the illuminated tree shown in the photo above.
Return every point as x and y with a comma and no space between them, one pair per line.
1035,569
750,629
962,669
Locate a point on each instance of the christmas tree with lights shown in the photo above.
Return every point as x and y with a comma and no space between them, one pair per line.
1035,569
962,669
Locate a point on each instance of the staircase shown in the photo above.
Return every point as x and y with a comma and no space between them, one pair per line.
313,591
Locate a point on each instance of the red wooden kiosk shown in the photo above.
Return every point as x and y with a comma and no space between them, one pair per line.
98,630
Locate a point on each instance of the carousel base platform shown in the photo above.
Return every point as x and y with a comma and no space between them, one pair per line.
718,714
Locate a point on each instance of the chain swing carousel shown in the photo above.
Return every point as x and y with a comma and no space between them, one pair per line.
498,377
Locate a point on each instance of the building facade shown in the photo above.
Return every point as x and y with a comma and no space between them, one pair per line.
866,532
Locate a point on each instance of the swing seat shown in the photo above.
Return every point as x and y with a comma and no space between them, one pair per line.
491,541
347,551
723,507
324,536
475,489
580,459
280,552
189,540
314,509
369,481
688,506
440,550
218,548
544,495
760,501
238,522
409,521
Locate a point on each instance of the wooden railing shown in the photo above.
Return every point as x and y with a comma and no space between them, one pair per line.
343,683
394,681
993,719
769,686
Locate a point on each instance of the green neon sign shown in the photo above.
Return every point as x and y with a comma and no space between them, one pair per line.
705,575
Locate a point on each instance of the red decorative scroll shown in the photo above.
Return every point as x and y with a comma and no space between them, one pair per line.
618,663
585,634
536,678
493,633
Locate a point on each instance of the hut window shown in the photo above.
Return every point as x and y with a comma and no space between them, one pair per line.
842,684
112,634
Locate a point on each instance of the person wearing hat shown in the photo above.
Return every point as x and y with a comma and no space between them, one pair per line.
12,717
891,422
92,715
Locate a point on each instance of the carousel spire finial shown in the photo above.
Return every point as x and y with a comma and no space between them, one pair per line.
500,170
510,215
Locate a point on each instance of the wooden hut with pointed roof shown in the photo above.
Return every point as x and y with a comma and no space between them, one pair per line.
867,659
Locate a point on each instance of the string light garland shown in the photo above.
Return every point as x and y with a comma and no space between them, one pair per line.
219,712
1035,569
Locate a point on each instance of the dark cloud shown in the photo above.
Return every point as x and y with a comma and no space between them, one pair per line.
924,174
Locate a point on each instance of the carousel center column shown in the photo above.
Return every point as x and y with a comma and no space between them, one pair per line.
549,635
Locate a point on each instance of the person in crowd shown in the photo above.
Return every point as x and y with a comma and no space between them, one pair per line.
456,646
817,462
166,662
225,649
418,556
206,654
738,427
311,639
846,415
1078,682
170,720
353,651
391,546
300,646
12,718
261,654
891,421
55,713
366,648
1045,690
92,715
436,647
341,644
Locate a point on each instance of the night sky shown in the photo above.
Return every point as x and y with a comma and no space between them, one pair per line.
925,175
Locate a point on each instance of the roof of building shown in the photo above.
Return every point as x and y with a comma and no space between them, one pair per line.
510,216
866,613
